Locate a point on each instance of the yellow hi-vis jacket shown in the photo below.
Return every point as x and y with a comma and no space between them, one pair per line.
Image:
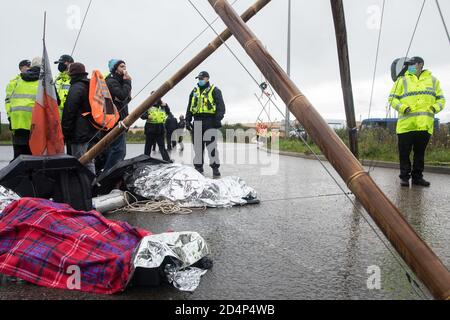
203,102
420,94
21,104
157,115
62,83
9,91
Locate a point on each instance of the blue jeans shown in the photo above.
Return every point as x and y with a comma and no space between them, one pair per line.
116,152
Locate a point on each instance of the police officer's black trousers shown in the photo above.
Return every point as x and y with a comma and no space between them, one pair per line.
206,137
20,140
171,141
417,142
21,149
151,139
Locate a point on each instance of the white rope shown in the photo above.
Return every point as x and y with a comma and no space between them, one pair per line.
166,207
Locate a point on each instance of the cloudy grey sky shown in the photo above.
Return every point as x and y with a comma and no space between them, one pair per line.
147,34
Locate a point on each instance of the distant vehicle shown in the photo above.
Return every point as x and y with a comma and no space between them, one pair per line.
298,133
387,123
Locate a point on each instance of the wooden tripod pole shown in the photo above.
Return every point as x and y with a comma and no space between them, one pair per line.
414,251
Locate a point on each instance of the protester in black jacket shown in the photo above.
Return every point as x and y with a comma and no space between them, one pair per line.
180,131
171,127
77,128
119,85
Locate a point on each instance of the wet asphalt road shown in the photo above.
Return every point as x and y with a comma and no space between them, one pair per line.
304,241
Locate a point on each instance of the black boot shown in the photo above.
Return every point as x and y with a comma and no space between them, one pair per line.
404,183
421,182
199,169
216,173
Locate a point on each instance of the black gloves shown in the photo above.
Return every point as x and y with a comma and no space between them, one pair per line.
217,123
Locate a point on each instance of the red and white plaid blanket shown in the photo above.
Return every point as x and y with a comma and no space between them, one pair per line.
51,244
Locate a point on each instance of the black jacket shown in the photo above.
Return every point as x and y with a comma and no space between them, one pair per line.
210,120
181,124
154,128
120,90
32,74
76,127
171,124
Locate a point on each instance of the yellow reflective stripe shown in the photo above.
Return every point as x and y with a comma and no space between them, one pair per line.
418,93
396,107
22,108
417,114
433,79
23,96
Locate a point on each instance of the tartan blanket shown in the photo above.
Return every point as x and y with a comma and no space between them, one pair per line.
52,245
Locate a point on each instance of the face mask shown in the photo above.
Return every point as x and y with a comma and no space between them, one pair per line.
201,83
412,69
62,67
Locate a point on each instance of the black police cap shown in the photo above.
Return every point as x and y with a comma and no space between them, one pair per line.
202,74
65,58
24,63
414,60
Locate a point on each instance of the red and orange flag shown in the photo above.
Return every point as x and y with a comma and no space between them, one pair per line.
46,133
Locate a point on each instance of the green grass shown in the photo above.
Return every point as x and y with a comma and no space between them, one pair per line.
293,145
379,144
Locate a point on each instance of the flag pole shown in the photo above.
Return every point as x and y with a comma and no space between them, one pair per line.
45,24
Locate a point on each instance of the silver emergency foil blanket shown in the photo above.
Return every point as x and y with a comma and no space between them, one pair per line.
6,197
184,185
186,248
184,280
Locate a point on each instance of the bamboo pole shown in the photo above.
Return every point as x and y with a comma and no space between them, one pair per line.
167,86
416,253
337,8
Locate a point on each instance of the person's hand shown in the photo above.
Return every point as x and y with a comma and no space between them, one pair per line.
217,123
407,110
163,104
126,76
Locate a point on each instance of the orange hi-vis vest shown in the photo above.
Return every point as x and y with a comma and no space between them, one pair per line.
103,111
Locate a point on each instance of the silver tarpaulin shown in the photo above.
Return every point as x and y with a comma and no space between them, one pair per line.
184,280
187,187
184,248
6,197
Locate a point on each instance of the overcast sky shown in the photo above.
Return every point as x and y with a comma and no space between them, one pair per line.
147,34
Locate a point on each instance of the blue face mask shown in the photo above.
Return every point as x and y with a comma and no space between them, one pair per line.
412,69
201,83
